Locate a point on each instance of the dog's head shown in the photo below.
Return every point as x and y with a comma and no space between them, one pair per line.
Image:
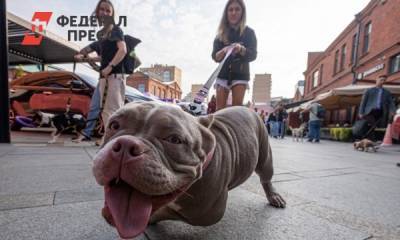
41,118
367,143
152,152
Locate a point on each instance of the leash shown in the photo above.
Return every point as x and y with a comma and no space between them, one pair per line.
195,106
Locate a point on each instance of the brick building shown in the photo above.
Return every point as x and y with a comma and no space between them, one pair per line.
368,47
167,73
153,84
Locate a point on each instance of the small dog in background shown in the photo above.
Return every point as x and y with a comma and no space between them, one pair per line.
298,132
42,119
61,122
365,145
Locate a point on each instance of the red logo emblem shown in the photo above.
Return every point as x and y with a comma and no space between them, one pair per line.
40,20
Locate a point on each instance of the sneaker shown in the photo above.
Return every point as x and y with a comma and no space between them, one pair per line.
398,164
317,141
309,140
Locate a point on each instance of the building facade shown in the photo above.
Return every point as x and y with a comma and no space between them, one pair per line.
167,73
368,47
262,89
153,84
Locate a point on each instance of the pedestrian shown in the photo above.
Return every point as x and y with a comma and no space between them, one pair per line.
314,124
112,51
266,123
262,115
95,104
281,116
273,125
212,105
377,106
235,73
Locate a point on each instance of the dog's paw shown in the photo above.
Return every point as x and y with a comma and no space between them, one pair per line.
276,200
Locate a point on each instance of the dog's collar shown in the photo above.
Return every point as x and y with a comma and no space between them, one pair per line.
208,158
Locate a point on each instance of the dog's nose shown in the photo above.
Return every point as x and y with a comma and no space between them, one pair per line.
127,147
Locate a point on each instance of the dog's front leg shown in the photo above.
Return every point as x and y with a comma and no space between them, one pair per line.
164,213
55,134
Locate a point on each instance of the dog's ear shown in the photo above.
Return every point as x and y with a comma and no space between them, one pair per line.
206,121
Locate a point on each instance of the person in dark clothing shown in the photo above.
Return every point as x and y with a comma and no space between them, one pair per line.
94,110
111,47
235,73
377,104
281,116
212,105
273,125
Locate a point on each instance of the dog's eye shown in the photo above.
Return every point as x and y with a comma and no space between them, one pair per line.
174,139
114,125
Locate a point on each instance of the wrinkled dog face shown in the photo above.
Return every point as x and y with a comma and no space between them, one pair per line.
152,153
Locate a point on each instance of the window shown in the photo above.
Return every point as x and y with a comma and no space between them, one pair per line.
394,64
315,78
367,35
166,76
336,64
353,49
343,57
141,88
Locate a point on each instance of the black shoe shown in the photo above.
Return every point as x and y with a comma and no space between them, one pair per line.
398,164
86,139
309,140
317,141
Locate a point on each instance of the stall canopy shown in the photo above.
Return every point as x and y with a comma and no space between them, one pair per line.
53,49
344,96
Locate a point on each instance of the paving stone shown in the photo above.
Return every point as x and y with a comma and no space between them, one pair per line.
80,195
8,202
249,217
66,221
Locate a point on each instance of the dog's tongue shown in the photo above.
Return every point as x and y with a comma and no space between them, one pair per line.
130,209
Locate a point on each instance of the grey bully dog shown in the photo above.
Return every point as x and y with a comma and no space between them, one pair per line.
161,163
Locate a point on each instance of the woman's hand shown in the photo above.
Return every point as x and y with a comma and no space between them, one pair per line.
221,53
106,71
79,57
238,48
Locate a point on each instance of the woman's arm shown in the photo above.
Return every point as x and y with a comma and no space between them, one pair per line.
249,50
219,50
118,57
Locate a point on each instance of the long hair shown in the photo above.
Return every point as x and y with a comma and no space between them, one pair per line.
96,11
223,28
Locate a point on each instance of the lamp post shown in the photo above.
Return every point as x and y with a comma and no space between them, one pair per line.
4,88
